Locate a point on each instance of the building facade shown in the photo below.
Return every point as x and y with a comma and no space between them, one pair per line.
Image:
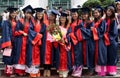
55,3
40,3
10,3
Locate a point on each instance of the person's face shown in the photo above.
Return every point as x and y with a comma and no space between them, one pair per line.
84,16
39,15
75,15
13,15
51,17
96,14
28,15
60,10
118,6
108,12
62,19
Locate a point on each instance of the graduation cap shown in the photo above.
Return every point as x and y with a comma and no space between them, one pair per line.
74,10
99,8
85,10
39,9
55,12
11,9
28,9
110,7
64,14
117,0
59,7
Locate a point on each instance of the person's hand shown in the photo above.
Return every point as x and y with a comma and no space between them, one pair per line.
41,36
25,34
91,28
9,46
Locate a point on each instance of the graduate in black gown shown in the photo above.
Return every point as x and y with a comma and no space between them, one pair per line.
76,47
8,29
25,39
50,56
112,34
100,49
87,41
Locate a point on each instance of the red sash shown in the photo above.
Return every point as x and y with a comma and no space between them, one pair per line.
84,49
94,30
95,36
106,36
13,26
72,35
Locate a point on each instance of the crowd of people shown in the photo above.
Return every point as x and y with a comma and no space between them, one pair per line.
61,39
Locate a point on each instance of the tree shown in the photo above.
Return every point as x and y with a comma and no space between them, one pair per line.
107,2
93,3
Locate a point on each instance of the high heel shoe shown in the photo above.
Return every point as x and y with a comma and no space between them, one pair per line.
65,74
78,72
45,73
48,73
60,74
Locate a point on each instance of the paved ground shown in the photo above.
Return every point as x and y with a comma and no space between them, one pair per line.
55,75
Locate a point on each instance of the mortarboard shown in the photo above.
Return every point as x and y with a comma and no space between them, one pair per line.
117,0
111,6
11,9
99,8
59,7
39,9
85,10
54,12
74,10
28,9
64,14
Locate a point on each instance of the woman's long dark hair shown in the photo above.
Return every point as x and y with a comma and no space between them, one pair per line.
66,22
88,19
55,18
101,14
10,18
25,21
72,20
113,13
36,18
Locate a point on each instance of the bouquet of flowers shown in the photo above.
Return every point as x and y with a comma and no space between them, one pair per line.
58,35
55,31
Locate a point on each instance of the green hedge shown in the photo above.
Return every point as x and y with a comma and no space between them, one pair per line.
93,3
